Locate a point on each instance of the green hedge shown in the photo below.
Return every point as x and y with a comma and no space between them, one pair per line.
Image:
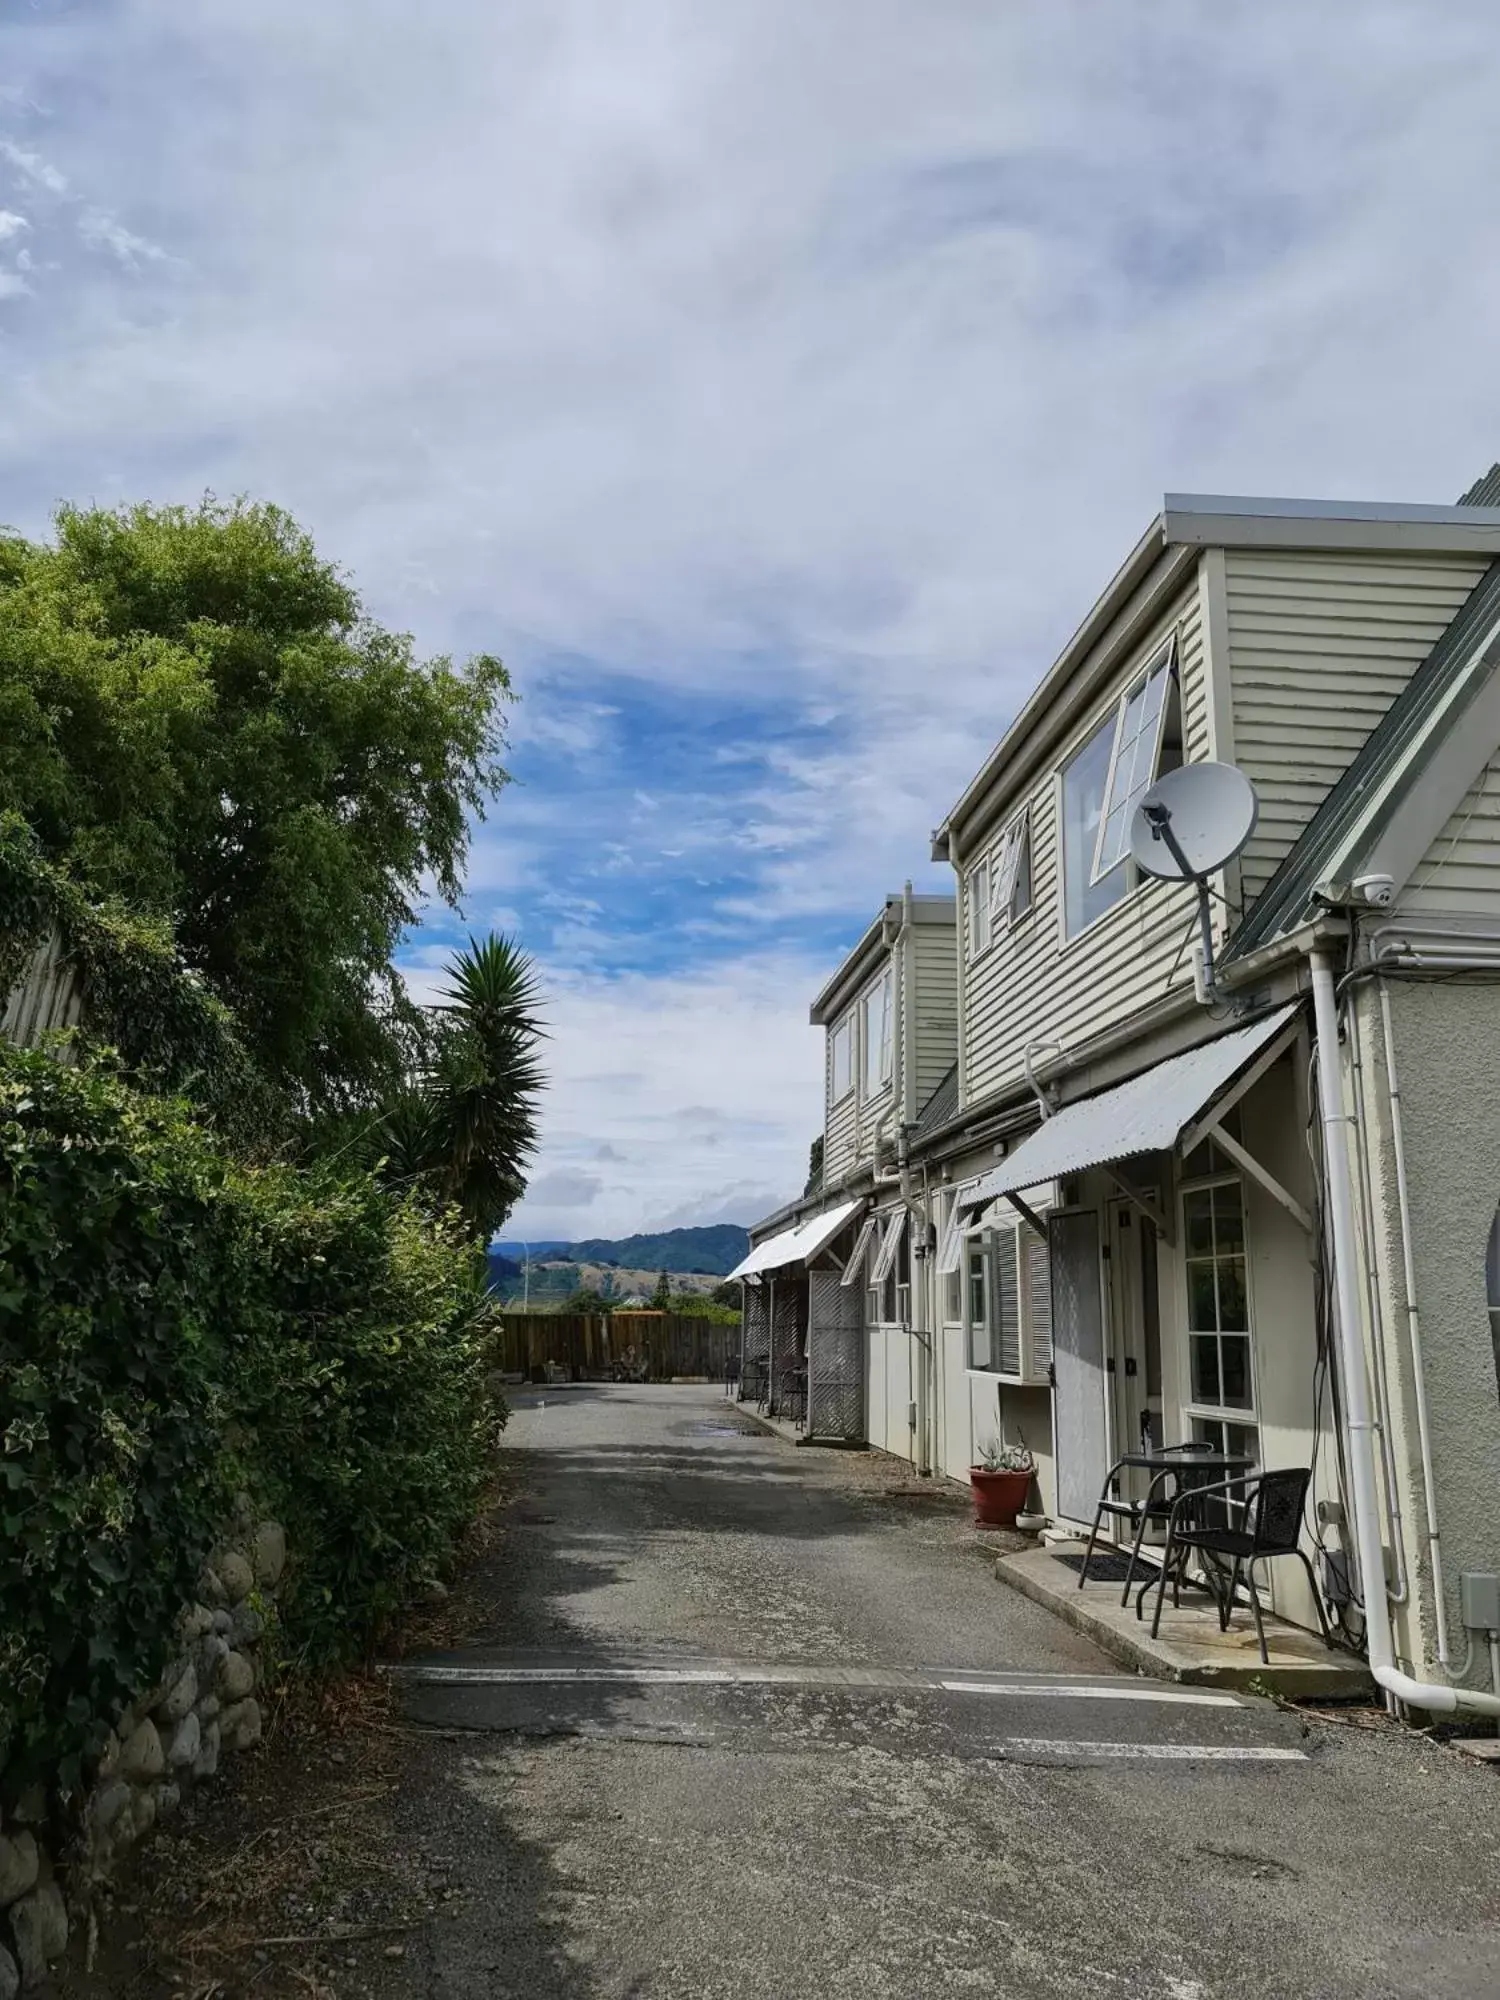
176,1327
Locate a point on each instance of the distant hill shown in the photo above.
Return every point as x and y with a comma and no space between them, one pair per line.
714,1250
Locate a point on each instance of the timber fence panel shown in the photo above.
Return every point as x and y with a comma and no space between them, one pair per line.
602,1347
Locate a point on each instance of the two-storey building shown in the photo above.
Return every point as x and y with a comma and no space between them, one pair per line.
1257,1211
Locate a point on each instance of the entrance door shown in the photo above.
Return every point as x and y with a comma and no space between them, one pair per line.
1134,1361
1080,1417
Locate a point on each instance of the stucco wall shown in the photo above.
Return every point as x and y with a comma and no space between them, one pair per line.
1447,1046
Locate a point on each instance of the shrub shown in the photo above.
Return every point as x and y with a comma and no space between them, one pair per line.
175,1326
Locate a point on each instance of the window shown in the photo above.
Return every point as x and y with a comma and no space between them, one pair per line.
877,1035
1221,1383
888,1299
1013,870
1133,764
1009,1284
1102,785
981,928
841,1059
950,1261
1000,886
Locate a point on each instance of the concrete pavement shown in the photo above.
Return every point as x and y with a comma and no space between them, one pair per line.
735,1719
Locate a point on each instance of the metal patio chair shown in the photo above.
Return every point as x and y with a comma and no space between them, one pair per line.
1270,1507
1156,1505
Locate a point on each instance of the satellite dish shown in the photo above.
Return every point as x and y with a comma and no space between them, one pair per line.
1192,821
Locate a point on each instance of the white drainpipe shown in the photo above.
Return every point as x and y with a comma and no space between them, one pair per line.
1429,1695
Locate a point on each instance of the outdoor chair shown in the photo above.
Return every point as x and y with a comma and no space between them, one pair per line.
1156,1505
1269,1506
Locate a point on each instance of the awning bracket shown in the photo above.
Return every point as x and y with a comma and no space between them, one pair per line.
1247,1163
1152,1210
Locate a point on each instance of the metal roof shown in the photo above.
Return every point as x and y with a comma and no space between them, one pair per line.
800,1244
1147,1115
939,1108
1485,492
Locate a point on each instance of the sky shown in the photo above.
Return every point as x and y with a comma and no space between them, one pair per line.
774,387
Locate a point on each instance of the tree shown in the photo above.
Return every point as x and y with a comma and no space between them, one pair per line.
463,1125
661,1298
814,1183
196,715
727,1294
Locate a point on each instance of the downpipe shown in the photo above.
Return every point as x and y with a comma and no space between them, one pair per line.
1428,1695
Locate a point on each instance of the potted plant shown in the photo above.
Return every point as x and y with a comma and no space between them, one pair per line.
1001,1482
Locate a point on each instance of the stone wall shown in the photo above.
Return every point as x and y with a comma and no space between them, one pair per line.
206,1706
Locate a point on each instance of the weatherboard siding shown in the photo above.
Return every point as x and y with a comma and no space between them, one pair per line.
1460,873
932,1038
1031,986
1320,645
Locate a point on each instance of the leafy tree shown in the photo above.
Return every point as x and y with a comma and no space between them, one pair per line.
196,715
814,1167
727,1294
661,1298
585,1300
463,1126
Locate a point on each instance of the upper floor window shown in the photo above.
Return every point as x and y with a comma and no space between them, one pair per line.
1000,886
878,1035
1102,785
841,1059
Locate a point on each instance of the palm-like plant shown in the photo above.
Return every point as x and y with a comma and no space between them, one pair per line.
465,1125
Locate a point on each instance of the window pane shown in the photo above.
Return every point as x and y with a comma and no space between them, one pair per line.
1020,899
1234,1369
1083,800
1206,1431
1243,1440
1205,1368
1202,1305
1134,766
1234,1310
1197,1211
1229,1218
953,1297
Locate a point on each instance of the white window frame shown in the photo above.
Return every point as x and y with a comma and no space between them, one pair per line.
860,1256
883,1046
1030,1337
1014,843
1161,665
981,912
1248,1417
843,1027
890,1243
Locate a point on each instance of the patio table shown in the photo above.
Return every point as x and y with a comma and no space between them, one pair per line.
1189,1470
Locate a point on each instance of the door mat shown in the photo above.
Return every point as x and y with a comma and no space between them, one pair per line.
1107,1567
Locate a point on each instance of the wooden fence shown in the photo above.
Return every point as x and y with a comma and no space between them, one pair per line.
605,1347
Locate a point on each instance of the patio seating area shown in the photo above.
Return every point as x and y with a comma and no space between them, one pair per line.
1190,1645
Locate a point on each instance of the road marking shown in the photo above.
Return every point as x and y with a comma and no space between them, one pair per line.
757,1674
1184,1697
1262,1753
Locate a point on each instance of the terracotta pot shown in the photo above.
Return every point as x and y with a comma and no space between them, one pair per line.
998,1496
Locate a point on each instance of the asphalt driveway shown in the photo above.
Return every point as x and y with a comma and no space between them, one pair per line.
730,1718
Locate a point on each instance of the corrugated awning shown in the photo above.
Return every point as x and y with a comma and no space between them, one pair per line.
798,1245
1147,1115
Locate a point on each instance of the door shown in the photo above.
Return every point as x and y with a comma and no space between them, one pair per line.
1133,1358
1080,1420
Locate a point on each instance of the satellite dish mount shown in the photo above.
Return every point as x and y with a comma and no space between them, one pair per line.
1190,824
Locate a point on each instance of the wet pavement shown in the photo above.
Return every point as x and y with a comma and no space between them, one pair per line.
737,1719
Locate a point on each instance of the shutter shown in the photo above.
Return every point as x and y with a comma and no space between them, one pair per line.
1038,1268
1007,1308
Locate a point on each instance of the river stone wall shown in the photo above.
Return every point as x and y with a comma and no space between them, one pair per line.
205,1707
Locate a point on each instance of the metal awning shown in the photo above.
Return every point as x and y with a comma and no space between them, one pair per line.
1147,1115
800,1244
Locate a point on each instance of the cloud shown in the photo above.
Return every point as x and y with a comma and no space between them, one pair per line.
11,224
774,387
564,1189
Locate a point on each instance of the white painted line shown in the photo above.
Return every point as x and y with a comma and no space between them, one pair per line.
1179,1697
1253,1753
756,1674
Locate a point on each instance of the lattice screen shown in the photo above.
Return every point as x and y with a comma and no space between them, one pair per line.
835,1360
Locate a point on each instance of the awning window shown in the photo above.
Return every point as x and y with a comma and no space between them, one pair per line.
890,1243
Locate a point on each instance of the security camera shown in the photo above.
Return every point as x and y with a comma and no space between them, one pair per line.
1377,890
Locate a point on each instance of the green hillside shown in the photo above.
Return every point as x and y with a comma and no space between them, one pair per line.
717,1249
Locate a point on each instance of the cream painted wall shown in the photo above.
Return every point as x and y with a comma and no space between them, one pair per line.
1447,1042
